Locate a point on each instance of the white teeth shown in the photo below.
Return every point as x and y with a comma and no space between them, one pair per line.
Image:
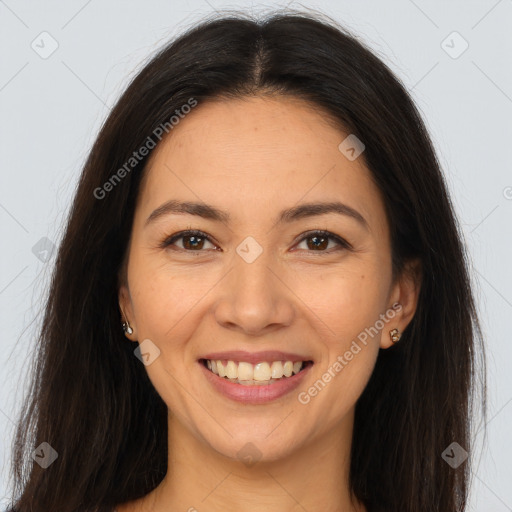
231,370
245,371
262,371
277,369
220,369
249,374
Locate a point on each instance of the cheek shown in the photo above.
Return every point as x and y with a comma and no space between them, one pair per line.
351,307
164,298
349,302
168,308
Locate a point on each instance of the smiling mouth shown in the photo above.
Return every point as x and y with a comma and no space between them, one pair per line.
260,374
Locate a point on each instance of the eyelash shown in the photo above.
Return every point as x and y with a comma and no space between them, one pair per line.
309,234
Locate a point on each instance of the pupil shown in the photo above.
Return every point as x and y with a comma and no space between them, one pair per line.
317,244
193,240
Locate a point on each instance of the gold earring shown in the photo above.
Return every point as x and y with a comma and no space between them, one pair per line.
395,335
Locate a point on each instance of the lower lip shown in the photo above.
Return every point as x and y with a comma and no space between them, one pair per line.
254,394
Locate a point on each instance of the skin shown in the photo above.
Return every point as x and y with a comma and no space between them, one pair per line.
253,158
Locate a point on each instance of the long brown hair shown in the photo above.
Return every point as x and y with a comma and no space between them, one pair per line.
92,400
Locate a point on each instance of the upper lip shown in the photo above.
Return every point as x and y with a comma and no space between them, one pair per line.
255,357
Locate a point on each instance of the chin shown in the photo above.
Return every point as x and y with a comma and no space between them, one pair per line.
256,445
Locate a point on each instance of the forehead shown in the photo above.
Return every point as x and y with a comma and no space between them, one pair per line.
257,154
241,129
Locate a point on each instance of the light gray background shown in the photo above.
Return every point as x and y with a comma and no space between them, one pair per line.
51,110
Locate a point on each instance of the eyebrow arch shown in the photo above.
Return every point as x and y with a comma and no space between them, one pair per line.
295,213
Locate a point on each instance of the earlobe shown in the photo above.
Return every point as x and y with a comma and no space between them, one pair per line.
127,322
405,293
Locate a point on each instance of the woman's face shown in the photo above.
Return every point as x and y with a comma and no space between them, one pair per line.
258,285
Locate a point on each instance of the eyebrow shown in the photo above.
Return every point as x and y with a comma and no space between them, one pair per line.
295,213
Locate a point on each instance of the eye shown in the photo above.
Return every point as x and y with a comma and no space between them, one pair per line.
193,240
320,241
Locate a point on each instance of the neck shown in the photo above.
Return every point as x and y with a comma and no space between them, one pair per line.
199,478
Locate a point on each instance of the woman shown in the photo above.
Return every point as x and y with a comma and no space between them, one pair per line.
261,301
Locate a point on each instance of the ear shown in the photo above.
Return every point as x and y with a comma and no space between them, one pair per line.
403,300
126,307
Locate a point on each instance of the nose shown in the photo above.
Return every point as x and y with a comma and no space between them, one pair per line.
255,298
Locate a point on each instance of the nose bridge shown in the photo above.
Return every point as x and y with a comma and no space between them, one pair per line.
253,297
252,276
